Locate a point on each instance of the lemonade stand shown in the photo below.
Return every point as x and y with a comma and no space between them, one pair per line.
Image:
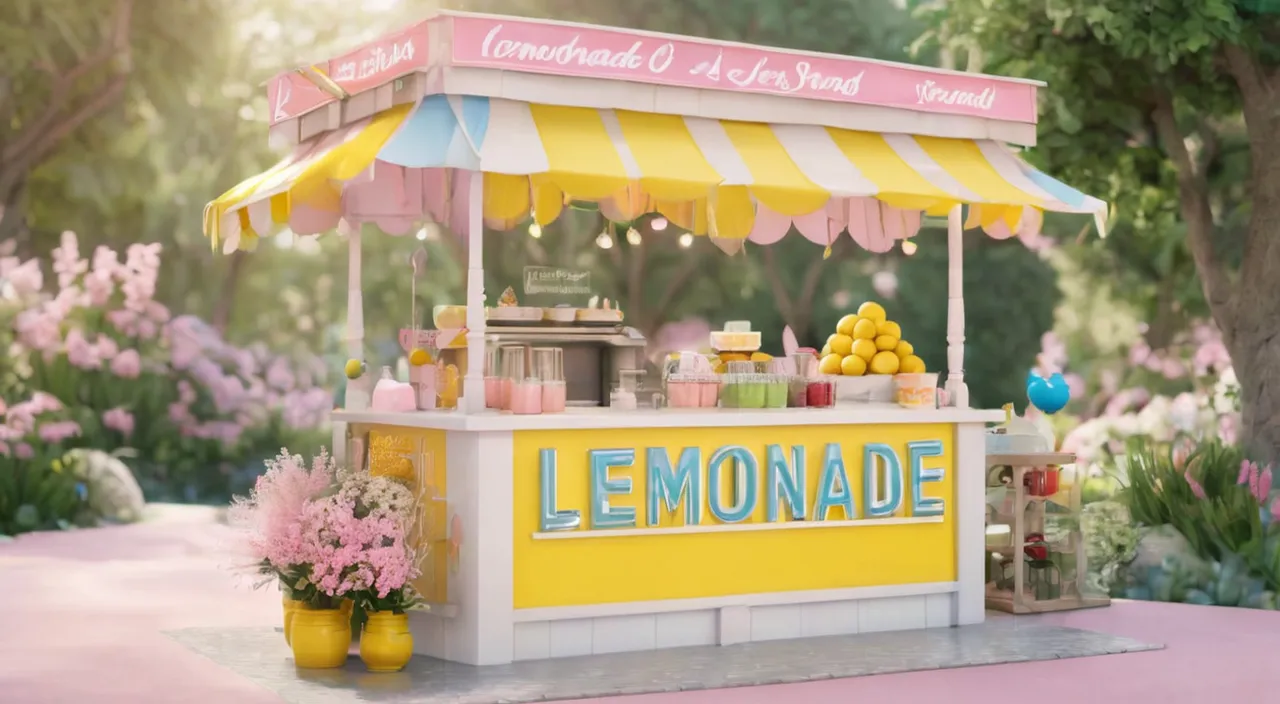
632,527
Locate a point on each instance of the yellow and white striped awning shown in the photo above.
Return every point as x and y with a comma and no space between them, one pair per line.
728,179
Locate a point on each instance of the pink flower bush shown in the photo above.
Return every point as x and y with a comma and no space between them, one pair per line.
127,364
1196,488
1258,480
119,420
59,432
104,321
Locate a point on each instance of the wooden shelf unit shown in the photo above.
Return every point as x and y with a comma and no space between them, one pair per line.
1019,601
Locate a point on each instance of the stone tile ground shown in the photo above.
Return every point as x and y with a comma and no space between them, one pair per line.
261,655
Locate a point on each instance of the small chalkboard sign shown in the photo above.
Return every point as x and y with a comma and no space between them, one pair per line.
554,281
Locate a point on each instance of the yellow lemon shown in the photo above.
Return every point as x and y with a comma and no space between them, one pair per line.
830,364
887,343
826,350
419,357
872,311
864,329
884,363
841,345
845,326
760,357
890,328
721,368
911,364
866,349
904,349
354,368
853,365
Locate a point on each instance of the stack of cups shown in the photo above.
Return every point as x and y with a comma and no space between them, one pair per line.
492,380
548,365
511,361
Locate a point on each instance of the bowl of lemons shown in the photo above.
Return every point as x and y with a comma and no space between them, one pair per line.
865,352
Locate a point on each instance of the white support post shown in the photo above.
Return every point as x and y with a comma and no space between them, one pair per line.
473,386
970,511
957,391
358,390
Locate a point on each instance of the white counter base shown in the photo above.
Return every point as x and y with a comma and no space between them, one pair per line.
728,625
482,627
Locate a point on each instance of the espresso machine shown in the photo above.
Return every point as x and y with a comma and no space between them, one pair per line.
595,358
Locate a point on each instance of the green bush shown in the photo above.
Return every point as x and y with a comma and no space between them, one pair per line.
1212,495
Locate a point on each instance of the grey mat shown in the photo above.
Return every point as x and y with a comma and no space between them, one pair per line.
261,656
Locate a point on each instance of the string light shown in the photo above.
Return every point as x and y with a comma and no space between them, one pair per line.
535,230
658,224
633,237
908,247
686,240
604,241
429,231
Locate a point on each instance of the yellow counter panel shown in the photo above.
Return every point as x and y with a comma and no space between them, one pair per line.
659,557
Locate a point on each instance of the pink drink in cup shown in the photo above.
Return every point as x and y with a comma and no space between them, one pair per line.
526,397
553,397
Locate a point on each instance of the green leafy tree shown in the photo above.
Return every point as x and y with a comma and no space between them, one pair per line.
1148,105
78,65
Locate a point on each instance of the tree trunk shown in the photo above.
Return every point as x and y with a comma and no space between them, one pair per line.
1254,337
1251,328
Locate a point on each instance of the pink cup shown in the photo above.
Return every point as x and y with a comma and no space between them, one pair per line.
709,394
526,398
492,392
506,389
553,397
682,394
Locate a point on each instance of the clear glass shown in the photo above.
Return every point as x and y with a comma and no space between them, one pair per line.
548,363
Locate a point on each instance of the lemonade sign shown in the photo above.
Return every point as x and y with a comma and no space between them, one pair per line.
732,482
869,343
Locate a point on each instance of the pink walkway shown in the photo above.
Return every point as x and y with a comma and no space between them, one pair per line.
84,614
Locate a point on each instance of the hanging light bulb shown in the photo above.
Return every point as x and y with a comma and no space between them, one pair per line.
633,237
686,240
604,241
658,224
429,231
535,230
908,247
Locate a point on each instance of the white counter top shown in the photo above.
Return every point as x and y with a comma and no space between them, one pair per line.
603,418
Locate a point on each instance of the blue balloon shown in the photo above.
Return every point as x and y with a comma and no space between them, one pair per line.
1049,395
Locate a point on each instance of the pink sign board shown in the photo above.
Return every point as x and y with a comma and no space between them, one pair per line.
537,47
378,62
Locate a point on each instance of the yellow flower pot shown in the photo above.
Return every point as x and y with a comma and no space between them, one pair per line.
290,606
386,644
320,638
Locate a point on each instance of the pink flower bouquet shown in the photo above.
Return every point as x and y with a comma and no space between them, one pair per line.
272,518
329,535
361,545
